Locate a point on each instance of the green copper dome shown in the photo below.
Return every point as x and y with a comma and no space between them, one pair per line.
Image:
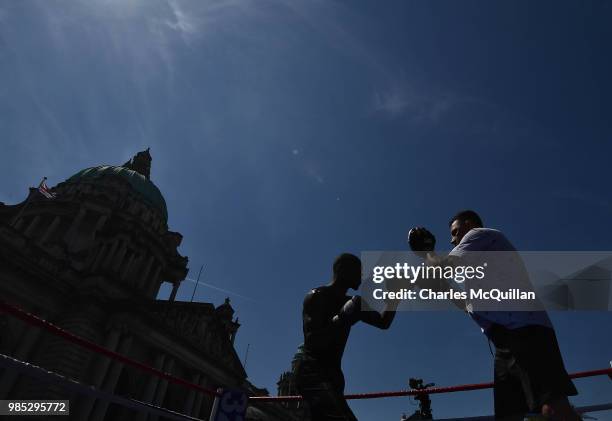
147,190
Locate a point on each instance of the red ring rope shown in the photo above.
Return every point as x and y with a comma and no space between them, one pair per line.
37,321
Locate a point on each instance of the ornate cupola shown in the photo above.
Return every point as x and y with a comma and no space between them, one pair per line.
110,224
141,163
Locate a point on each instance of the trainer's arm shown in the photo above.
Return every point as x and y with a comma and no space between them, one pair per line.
423,243
432,282
439,284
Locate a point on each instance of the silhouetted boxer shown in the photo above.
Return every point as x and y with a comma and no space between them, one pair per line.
328,315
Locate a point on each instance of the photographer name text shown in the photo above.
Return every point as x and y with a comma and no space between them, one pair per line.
493,294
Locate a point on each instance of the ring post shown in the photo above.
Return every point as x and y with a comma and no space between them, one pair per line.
215,406
229,405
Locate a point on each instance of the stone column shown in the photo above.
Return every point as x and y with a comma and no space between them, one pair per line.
75,224
202,401
126,268
175,288
101,254
133,273
108,259
32,226
153,286
19,223
149,392
101,221
188,406
110,380
111,342
118,258
50,229
22,351
56,354
160,393
145,273
99,372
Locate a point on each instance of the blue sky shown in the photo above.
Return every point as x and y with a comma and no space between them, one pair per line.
284,133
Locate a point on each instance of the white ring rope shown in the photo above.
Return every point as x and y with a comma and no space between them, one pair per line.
40,373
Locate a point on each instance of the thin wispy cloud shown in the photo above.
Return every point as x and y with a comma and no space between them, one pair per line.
401,99
193,20
183,22
453,113
422,106
135,52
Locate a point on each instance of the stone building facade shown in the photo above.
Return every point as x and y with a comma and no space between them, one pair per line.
91,260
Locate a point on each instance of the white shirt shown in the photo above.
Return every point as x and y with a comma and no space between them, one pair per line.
504,270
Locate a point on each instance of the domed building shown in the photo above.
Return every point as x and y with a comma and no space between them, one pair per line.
91,260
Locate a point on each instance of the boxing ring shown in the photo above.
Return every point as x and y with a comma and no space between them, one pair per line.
45,376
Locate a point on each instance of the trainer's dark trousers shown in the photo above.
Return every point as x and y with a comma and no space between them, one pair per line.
529,370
